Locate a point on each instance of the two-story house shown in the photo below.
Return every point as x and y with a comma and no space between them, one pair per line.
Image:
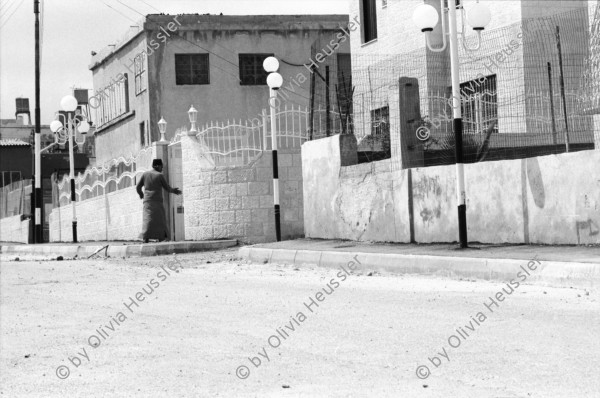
213,62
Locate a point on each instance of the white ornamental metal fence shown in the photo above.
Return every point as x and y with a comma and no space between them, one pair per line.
177,136
479,110
294,125
237,143
231,143
115,175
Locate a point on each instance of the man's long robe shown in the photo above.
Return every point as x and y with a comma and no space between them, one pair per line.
155,219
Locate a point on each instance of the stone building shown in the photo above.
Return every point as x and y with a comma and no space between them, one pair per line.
532,192
214,62
517,47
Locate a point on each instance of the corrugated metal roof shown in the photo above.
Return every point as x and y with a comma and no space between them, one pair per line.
13,142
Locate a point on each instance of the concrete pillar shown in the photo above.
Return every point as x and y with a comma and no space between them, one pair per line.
348,150
395,141
411,148
160,150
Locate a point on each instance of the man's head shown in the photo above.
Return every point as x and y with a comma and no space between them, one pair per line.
157,165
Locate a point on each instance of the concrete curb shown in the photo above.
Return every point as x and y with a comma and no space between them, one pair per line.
551,273
135,250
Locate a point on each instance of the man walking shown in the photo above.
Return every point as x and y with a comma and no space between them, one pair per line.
155,219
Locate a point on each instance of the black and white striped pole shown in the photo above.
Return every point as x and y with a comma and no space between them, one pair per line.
426,18
457,124
274,80
38,197
69,104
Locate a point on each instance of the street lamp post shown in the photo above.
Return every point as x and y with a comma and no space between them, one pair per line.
426,18
274,81
162,128
193,115
38,197
69,105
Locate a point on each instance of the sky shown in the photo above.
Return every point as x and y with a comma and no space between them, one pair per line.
72,29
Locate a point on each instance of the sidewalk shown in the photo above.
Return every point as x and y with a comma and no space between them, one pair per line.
563,266
112,249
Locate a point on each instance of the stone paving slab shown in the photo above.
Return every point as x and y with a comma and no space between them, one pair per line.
563,266
114,249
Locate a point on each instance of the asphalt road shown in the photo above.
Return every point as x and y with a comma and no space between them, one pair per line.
207,325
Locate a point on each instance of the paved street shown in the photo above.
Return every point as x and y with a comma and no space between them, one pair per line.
210,324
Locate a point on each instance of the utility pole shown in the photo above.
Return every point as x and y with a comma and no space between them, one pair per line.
38,238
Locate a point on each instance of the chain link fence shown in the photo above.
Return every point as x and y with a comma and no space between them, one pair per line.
530,89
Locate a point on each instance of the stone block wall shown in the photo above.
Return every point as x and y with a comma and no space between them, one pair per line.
114,216
544,200
237,202
14,229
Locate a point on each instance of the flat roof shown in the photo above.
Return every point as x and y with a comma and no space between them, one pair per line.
153,22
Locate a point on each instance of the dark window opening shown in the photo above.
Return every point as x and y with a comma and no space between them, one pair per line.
252,72
344,78
344,91
479,104
191,69
377,146
380,122
369,20
140,73
143,141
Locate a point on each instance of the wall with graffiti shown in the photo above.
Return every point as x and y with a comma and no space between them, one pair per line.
551,199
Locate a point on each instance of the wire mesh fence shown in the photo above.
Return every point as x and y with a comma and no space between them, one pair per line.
530,89
331,89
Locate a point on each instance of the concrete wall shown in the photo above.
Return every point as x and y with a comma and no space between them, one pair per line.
237,202
114,216
14,229
546,200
